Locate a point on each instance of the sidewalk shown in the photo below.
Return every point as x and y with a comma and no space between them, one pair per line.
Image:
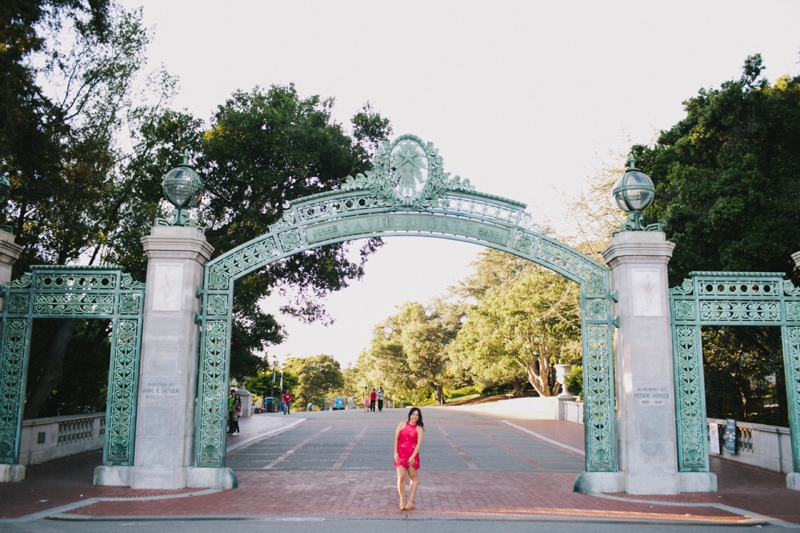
748,495
69,480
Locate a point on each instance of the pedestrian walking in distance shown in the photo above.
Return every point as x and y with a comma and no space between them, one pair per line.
407,441
373,397
380,399
287,402
237,413
231,401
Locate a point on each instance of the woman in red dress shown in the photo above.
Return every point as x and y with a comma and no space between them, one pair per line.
407,440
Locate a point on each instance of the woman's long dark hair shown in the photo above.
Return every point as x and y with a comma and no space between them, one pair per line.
419,421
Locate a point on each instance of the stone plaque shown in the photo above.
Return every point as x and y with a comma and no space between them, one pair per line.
167,280
646,292
652,395
162,390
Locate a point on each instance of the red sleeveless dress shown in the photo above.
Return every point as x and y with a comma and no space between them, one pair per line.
406,442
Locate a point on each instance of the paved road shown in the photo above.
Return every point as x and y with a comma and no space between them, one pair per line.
350,525
365,443
332,471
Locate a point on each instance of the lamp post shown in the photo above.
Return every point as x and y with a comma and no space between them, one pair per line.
274,366
633,193
5,192
183,188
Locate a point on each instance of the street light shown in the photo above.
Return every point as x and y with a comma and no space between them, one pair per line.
183,188
274,366
634,192
5,192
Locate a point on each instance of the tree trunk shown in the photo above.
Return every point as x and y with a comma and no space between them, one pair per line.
53,367
539,373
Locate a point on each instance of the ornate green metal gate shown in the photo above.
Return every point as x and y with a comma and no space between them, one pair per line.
407,193
73,292
728,299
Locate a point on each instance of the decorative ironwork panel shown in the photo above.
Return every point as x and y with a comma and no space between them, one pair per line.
562,258
123,378
257,252
791,353
740,311
73,304
599,407
16,335
212,394
690,399
55,278
729,299
73,292
407,192
218,304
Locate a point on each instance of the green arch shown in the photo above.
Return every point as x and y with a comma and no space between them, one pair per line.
407,195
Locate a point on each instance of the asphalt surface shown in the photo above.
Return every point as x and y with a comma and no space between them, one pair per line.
332,471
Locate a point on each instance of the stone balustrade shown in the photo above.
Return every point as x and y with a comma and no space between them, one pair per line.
768,447
44,439
573,412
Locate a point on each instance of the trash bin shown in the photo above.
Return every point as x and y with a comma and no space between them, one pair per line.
269,404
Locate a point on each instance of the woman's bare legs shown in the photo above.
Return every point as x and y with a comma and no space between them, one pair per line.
412,490
401,485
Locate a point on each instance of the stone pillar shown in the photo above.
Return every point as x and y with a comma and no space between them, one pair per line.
647,440
247,401
165,420
9,253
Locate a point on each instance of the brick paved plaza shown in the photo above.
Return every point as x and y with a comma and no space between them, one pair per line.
339,463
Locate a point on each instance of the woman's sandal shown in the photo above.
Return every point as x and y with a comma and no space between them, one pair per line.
410,505
402,505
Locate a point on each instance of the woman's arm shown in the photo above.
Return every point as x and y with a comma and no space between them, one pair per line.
396,436
420,435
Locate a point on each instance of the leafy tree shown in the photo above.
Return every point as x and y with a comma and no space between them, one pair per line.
726,181
83,384
408,353
261,384
317,376
263,149
574,381
520,326
736,363
70,208
31,124
728,196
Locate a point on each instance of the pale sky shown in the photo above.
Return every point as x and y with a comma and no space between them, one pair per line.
523,98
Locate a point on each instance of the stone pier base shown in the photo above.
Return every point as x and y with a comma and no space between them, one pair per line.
211,478
11,473
168,479
113,476
697,481
793,480
599,482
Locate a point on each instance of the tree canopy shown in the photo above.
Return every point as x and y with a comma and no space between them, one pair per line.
317,377
72,71
525,319
726,177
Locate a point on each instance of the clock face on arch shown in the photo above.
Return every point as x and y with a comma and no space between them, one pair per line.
409,166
